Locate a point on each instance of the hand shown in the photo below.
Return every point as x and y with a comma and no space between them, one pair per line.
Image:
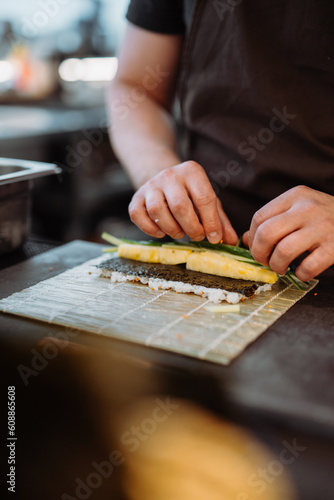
299,220
180,200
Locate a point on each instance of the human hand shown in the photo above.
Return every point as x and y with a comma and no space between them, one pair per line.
178,201
299,220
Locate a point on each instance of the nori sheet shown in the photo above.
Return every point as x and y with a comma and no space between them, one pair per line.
180,273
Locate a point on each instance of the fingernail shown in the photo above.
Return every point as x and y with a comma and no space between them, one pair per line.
199,238
160,234
214,237
178,236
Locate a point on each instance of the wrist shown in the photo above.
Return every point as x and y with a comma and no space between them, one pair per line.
152,166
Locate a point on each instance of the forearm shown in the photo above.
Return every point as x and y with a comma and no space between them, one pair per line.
171,197
141,133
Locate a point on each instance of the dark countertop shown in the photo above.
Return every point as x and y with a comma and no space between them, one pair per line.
26,122
282,386
288,372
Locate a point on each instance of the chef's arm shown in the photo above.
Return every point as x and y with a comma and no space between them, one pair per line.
139,101
172,198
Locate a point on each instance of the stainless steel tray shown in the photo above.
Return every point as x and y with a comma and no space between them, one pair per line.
12,170
16,179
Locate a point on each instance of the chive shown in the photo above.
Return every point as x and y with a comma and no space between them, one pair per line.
285,281
239,242
292,278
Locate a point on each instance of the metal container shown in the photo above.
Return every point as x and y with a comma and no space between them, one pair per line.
16,181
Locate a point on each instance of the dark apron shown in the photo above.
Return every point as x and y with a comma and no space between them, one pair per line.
257,98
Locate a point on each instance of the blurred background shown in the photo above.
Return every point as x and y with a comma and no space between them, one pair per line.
56,59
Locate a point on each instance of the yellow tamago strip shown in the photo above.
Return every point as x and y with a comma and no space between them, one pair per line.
145,253
211,263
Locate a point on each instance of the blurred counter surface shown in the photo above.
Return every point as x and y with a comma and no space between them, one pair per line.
29,121
92,186
287,374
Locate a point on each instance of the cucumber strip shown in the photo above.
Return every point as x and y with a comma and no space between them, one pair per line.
110,250
242,253
119,241
111,239
235,251
239,258
180,246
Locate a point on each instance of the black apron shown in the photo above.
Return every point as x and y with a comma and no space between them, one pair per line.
257,98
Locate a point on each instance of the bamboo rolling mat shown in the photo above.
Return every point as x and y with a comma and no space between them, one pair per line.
79,299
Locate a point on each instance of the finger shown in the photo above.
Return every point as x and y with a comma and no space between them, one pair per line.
183,210
273,230
275,207
159,212
245,238
205,201
140,217
314,264
230,237
289,248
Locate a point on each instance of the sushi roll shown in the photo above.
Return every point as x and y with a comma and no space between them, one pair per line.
180,279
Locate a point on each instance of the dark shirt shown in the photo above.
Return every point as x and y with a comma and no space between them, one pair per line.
256,94
161,16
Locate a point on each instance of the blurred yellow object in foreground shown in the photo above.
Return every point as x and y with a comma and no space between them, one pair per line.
193,455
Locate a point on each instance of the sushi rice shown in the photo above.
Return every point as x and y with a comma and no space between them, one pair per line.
215,295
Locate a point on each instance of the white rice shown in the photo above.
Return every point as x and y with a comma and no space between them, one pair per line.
213,294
